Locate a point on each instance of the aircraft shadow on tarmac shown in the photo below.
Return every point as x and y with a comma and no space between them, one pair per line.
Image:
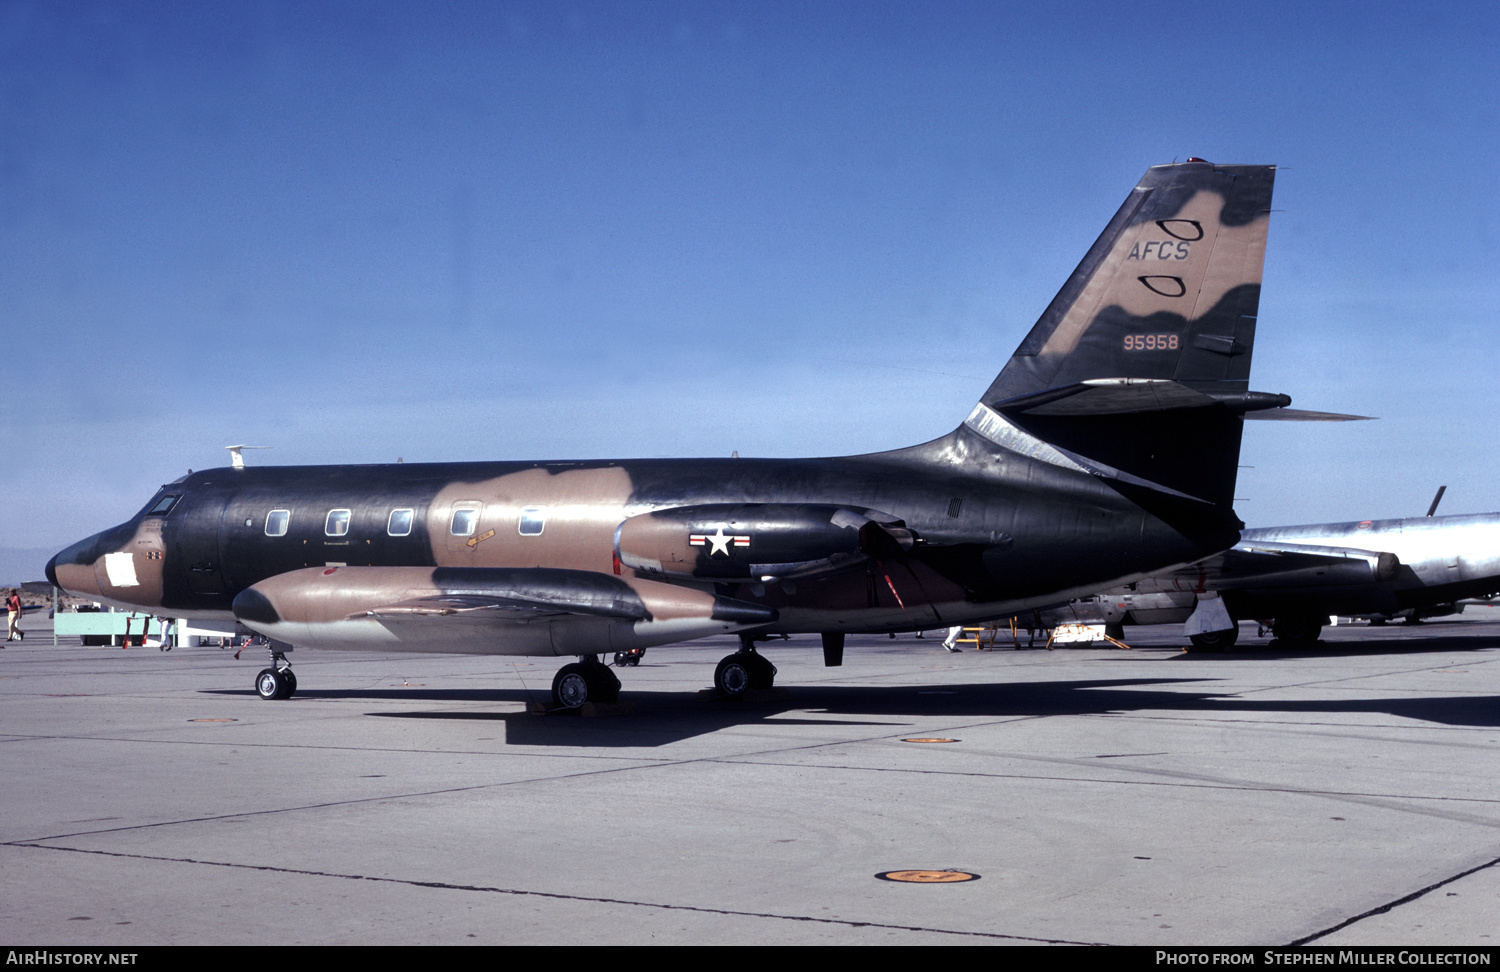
661,718
1391,641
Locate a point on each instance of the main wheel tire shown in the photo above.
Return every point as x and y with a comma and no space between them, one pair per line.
268,684
1216,640
571,687
604,685
762,672
734,676
1297,631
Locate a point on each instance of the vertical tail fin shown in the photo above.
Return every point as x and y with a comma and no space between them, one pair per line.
1139,368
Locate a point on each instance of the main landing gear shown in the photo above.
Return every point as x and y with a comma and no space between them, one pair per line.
1216,640
278,681
744,670
1298,631
588,680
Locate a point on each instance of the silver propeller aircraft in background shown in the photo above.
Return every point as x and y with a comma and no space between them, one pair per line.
1297,577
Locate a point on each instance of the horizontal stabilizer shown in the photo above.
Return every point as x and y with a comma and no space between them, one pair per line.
1302,415
1107,396
1121,396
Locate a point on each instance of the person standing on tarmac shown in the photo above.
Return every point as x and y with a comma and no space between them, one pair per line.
13,608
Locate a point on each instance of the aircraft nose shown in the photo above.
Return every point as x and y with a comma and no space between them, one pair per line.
72,568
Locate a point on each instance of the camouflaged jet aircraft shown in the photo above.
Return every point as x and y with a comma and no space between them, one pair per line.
1105,451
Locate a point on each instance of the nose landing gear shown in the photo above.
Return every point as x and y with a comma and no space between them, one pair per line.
278,681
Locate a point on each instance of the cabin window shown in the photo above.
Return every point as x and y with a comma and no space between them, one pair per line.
399,525
465,522
277,522
533,519
337,524
162,506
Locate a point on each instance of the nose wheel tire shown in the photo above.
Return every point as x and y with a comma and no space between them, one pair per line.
272,683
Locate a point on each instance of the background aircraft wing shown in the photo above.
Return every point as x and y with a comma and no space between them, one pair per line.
1272,564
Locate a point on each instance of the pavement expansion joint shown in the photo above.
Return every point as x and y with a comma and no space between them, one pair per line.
523,892
1391,906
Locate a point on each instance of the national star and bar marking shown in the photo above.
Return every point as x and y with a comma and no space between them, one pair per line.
719,541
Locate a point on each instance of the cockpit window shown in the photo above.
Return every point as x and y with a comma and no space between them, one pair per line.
465,521
162,506
277,522
399,525
337,524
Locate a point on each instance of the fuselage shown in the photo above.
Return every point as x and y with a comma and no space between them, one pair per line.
1443,559
995,532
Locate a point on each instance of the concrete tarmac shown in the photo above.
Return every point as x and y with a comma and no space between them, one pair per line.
1343,795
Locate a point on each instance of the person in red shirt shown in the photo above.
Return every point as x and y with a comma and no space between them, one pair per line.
13,607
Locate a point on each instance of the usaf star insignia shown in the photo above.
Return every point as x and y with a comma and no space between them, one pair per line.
718,542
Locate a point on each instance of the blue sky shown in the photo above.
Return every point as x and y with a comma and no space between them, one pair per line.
360,231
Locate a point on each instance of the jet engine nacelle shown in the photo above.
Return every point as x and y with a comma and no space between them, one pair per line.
756,541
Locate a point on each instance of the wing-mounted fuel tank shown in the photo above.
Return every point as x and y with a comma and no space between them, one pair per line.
756,541
486,610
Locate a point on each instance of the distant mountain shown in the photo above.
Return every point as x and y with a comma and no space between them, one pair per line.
21,564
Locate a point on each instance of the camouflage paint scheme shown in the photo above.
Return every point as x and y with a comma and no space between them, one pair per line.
1104,451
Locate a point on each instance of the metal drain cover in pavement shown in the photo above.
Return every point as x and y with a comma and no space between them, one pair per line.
928,877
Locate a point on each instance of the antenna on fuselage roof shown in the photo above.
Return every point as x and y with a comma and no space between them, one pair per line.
235,459
1436,500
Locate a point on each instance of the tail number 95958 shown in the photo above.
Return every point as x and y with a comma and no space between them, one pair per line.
1150,342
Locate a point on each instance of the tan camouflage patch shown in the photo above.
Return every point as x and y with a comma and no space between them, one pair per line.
578,510
133,572
1203,261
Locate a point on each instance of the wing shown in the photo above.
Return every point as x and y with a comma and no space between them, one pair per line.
1262,564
